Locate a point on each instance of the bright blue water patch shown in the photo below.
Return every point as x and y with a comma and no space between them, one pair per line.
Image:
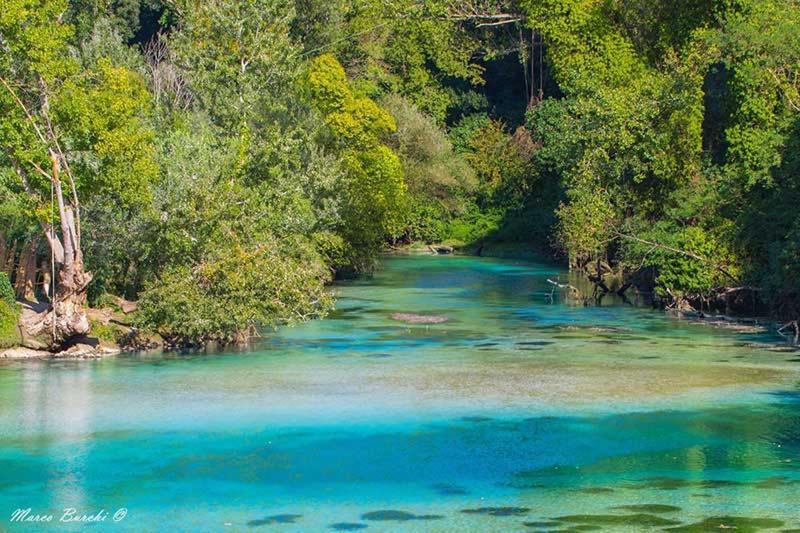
514,411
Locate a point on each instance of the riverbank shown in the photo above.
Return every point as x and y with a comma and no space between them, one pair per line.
112,333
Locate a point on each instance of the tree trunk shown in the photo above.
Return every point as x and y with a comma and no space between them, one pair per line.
47,280
66,317
3,250
8,267
25,281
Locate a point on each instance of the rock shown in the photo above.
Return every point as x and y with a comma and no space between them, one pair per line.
80,351
413,318
88,348
441,249
21,352
103,316
126,306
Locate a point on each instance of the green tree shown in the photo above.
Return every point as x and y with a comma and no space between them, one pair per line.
373,188
68,130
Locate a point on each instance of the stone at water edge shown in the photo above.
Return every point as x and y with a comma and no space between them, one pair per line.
20,352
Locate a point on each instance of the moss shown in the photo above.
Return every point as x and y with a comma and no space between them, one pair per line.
9,332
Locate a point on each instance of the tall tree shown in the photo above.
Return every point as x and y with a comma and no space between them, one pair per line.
66,132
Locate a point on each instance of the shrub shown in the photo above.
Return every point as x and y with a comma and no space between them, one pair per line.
9,315
6,290
226,296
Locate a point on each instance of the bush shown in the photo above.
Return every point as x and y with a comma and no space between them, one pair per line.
6,290
226,296
474,225
432,168
427,222
9,315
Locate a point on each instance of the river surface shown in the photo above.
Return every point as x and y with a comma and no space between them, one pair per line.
516,414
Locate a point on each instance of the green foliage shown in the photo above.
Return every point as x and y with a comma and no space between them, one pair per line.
109,332
501,161
674,126
223,179
433,172
9,314
474,225
9,334
426,221
238,56
6,290
104,114
462,133
226,296
408,48
709,266
373,190
100,113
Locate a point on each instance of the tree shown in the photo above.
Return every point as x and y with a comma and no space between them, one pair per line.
374,191
68,133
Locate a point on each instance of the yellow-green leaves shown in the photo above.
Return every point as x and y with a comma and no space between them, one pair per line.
104,114
356,121
374,189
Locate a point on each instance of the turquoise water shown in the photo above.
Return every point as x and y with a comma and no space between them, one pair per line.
516,414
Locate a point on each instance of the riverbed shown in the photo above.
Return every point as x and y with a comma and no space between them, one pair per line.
518,410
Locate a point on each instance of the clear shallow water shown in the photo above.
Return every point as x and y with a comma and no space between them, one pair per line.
509,415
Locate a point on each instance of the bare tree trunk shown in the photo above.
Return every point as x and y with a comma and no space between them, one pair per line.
47,280
8,267
25,281
66,317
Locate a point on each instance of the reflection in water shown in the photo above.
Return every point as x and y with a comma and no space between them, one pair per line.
58,400
513,414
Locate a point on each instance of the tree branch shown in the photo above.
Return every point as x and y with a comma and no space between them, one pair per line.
677,251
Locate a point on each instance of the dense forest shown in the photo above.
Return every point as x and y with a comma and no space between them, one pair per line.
221,162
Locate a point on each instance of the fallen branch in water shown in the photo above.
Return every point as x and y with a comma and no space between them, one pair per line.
795,325
559,285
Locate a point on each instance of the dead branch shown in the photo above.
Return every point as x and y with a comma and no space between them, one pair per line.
678,251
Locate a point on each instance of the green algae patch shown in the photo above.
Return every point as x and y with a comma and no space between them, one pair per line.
637,519
652,508
542,524
347,526
274,520
596,490
397,516
672,483
741,524
498,511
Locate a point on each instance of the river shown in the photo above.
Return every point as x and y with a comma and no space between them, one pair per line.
514,414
